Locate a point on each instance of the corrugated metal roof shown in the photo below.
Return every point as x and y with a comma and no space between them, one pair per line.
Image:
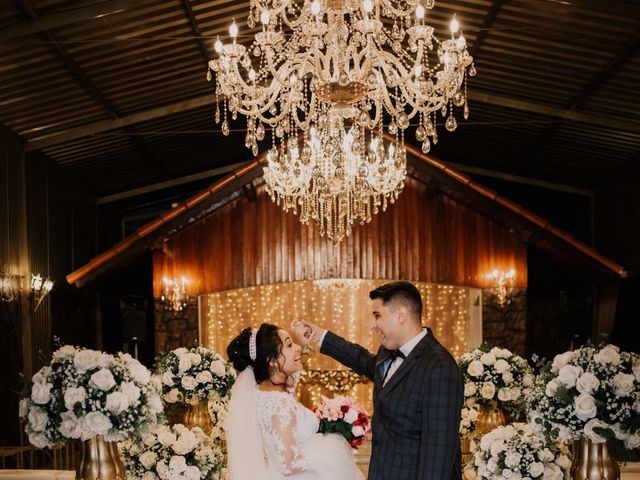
82,62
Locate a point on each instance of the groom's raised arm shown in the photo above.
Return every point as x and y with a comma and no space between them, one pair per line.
357,358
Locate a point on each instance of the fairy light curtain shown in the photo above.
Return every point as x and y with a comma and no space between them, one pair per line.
340,305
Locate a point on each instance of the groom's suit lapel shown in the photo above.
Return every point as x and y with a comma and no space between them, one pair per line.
406,366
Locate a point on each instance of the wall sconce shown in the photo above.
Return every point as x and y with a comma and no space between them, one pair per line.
40,288
9,286
503,285
174,296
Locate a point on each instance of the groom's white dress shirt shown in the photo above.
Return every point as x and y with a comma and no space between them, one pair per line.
395,364
406,349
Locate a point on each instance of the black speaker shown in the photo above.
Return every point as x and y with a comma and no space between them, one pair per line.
133,311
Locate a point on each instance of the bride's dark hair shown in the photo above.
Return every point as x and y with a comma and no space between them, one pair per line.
268,347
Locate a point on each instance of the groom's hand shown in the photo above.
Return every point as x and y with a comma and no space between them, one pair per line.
304,332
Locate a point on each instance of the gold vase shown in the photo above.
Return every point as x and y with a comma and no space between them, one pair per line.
99,460
197,415
489,417
592,461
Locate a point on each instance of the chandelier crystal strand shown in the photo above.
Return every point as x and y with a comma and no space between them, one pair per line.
323,77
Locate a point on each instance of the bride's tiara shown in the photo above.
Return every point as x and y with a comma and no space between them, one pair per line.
253,351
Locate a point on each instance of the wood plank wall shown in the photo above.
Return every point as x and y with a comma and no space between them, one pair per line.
424,237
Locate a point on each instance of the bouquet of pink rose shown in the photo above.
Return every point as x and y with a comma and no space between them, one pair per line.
343,416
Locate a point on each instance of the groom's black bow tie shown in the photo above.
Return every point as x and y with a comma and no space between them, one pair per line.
397,354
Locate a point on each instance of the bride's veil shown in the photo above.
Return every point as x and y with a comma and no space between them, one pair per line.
245,449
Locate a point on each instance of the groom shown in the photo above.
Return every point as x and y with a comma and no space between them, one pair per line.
417,393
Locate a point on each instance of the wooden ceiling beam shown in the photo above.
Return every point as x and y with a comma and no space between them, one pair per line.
486,25
196,30
68,17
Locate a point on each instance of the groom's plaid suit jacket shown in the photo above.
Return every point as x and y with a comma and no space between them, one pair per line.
417,413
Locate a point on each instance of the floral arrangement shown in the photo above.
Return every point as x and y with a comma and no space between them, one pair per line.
516,451
218,409
343,416
498,375
469,415
170,453
590,392
85,393
193,375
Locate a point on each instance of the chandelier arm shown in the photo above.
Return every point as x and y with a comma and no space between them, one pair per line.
397,12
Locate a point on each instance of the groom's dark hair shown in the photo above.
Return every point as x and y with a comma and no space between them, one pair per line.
402,292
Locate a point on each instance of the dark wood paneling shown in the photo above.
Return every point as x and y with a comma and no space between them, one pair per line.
13,260
424,237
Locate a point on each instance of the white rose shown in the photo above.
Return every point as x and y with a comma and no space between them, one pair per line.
636,370
632,442
504,394
166,437
23,408
568,375
172,396
74,395
177,464
139,372
501,352
507,377
351,415
585,407
103,379
185,443
475,368
561,360
41,393
192,473
619,433
488,358
104,360
86,360
545,455
70,425
204,377
149,439
551,388
37,419
41,375
608,355
117,402
593,436
155,404
97,423
512,459
536,469
624,383
188,382
68,351
357,431
196,358
497,447
167,379
148,459
38,440
587,383
501,366
527,380
218,368
470,389
488,390
184,363
131,391
563,462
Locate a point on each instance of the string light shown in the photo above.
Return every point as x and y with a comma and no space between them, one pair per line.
341,305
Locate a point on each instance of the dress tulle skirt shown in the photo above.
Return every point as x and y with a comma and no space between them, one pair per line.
331,458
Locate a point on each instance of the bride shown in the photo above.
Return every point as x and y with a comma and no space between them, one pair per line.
270,435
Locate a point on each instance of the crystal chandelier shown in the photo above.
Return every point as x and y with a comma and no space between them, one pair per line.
503,286
326,77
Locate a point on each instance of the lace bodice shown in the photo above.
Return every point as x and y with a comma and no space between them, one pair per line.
285,425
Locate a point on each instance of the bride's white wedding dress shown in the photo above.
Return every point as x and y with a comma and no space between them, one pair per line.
293,446
271,436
